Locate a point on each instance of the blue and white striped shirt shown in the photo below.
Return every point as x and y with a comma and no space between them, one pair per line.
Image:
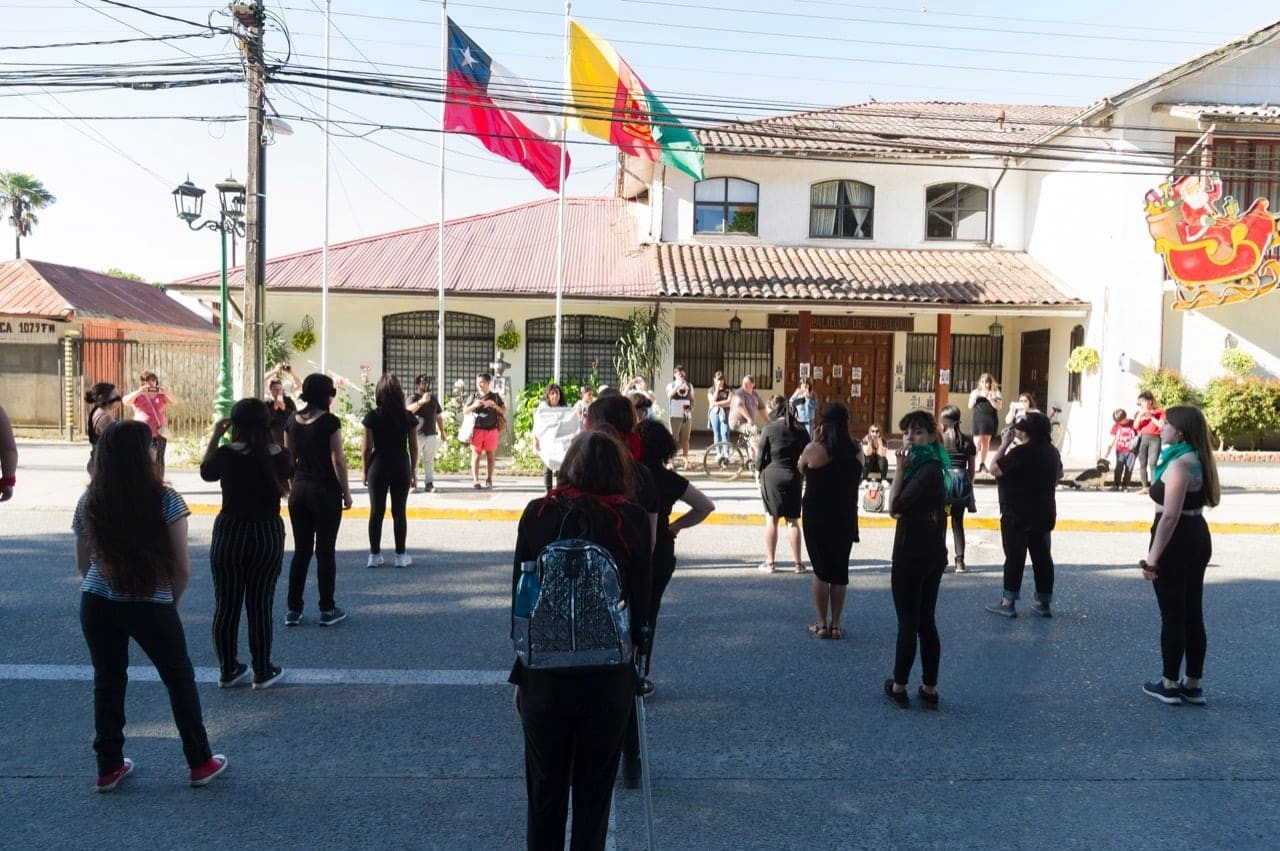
172,507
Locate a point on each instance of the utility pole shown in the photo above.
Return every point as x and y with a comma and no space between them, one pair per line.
252,20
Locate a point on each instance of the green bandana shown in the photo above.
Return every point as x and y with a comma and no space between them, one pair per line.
930,453
1169,454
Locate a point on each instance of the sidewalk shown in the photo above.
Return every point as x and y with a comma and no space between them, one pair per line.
51,476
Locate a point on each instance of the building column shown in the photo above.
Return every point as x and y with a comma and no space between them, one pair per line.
804,342
943,361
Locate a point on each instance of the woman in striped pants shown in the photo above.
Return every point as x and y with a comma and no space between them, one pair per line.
248,538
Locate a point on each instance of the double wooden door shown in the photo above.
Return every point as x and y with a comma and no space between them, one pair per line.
1033,376
852,367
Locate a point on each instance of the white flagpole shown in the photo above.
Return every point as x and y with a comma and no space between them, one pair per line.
441,387
564,120
324,245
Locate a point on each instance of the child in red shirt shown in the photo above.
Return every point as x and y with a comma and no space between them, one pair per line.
1123,438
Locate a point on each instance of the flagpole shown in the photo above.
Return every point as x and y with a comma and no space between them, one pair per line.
324,248
564,121
444,70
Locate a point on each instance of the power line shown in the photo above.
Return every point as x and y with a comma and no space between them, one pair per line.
133,8
101,42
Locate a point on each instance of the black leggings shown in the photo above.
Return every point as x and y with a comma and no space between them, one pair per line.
1148,451
245,559
915,596
392,474
957,529
315,513
1179,587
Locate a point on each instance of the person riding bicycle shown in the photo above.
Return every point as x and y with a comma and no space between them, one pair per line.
745,410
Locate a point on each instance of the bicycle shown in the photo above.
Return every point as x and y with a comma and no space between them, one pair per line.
1057,432
726,460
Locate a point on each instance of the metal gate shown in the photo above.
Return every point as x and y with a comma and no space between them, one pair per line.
187,368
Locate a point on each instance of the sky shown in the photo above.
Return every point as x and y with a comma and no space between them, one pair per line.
716,59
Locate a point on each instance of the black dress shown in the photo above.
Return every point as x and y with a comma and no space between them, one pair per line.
831,516
780,482
985,417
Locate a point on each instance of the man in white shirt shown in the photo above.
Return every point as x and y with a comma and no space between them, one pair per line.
680,409
745,406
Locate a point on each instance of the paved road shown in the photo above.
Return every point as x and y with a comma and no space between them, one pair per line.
395,729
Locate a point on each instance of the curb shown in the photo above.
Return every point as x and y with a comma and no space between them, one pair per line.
874,521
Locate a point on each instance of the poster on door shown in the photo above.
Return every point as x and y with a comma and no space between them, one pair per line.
804,370
855,373
837,370
855,390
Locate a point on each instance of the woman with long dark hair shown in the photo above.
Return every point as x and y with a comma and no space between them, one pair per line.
104,409
1184,483
574,720
390,465
318,497
131,549
247,551
832,469
781,487
961,452
552,397
919,555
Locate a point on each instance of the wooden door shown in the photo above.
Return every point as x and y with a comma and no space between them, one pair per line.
1033,373
850,366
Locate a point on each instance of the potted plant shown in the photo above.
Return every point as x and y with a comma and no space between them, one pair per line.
1082,359
509,339
305,337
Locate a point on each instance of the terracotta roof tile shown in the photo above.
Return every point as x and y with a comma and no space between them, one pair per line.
36,288
506,251
889,276
898,128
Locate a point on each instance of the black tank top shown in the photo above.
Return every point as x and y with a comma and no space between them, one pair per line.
1193,501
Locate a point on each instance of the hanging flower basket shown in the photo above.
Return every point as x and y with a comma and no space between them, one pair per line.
508,340
305,337
1083,359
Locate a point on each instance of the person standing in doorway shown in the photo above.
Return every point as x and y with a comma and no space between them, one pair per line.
390,457
423,405
1148,420
247,551
150,402
985,403
680,410
1184,483
916,500
490,413
805,405
319,495
832,468
1027,469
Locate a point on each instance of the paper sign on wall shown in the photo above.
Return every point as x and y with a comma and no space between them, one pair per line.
855,390
855,373
944,376
817,373
804,370
898,384
837,370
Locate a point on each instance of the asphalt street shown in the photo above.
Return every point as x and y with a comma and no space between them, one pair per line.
395,728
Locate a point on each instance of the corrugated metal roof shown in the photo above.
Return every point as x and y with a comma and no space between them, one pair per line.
510,251
36,288
893,129
882,275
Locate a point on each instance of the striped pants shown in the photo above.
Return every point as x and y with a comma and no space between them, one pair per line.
245,557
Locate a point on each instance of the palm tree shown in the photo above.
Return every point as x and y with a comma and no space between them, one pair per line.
22,195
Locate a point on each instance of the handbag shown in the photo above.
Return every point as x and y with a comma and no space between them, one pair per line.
466,427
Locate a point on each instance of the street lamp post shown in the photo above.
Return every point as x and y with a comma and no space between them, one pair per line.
188,199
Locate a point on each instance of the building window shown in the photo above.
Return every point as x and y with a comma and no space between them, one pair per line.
841,209
409,346
704,350
725,205
1249,168
1073,378
587,348
956,211
971,356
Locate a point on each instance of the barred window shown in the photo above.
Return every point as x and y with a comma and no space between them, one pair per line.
1073,378
409,346
704,350
971,356
588,347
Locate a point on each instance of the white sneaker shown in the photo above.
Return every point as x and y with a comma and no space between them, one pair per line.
403,559
375,560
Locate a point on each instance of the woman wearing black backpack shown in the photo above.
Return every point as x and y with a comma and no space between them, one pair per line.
574,719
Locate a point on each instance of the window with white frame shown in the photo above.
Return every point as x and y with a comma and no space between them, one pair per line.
841,209
725,205
956,211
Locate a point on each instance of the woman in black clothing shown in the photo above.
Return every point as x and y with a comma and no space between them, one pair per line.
961,451
318,497
781,487
919,554
390,465
832,468
574,720
247,551
1185,482
106,410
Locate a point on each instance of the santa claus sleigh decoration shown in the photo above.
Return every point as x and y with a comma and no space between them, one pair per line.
1215,255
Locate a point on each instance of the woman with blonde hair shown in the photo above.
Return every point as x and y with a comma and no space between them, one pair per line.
1185,482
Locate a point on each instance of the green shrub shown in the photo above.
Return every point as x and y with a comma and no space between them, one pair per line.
1169,387
1239,408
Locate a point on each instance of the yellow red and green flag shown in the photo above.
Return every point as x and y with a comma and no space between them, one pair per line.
608,100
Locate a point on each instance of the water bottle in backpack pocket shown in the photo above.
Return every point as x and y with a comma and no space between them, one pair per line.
569,610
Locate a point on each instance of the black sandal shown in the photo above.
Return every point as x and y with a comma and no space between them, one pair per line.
899,699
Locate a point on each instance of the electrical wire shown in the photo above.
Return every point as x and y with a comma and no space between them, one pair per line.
102,42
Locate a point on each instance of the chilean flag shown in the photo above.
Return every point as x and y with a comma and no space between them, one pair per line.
500,109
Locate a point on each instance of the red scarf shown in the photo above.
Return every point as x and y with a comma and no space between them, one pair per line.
609,501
